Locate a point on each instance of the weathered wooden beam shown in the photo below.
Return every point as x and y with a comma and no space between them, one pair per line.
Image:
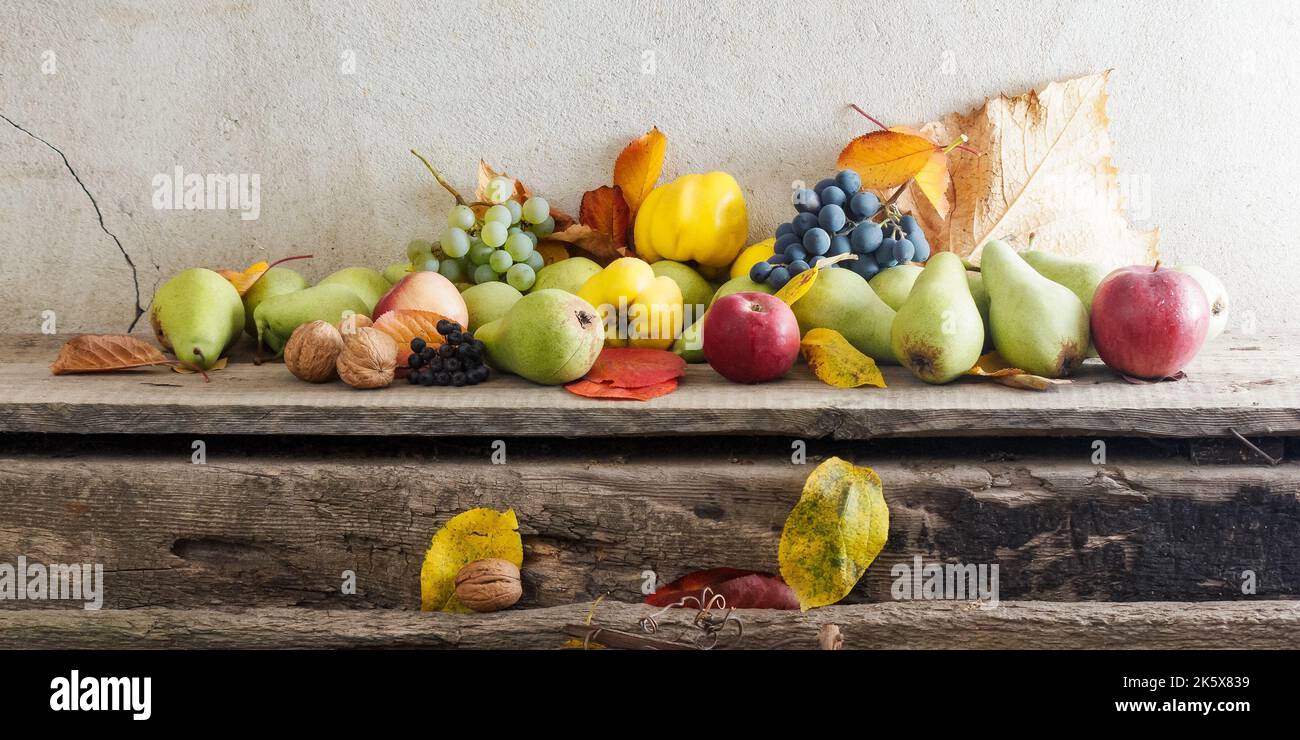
256,531
1250,384
1262,625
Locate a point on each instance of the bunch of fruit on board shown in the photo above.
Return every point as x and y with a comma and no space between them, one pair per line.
884,262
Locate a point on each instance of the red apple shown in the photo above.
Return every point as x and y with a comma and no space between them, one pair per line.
1149,322
751,337
425,291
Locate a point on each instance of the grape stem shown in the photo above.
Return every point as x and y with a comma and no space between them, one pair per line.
460,200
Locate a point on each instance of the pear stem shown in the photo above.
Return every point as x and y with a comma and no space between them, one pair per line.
460,200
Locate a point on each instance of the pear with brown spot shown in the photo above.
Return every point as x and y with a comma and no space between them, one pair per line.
938,332
1039,326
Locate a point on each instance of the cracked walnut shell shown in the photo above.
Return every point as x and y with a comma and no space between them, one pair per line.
312,351
368,359
488,585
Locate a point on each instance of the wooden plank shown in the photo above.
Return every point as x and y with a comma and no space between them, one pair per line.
258,531
1247,383
1261,625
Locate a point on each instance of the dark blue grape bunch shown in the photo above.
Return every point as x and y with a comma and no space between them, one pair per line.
836,217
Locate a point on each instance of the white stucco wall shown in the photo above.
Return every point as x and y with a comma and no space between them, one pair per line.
1203,100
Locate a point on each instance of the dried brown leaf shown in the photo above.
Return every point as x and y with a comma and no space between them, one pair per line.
585,241
97,353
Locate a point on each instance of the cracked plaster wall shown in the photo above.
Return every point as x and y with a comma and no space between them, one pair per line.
1202,101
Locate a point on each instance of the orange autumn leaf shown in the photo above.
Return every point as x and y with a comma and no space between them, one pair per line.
639,165
552,252
887,159
244,281
405,324
605,210
97,353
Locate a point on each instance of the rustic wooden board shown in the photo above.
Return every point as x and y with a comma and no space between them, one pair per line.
1247,383
1262,625
256,531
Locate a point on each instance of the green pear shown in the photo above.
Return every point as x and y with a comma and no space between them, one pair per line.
690,344
1081,277
1039,325
842,300
696,291
893,284
487,302
279,315
567,275
369,285
740,284
197,314
975,282
396,271
275,281
1217,295
549,336
938,333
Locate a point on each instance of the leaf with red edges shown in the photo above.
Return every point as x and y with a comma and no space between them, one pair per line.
588,389
631,367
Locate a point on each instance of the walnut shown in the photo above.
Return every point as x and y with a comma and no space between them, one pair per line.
488,585
353,321
368,359
312,350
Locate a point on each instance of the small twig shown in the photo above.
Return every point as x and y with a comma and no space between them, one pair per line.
1271,460
619,639
868,116
460,200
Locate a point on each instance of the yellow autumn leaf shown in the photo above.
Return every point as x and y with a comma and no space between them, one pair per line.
800,284
836,530
469,536
836,362
885,159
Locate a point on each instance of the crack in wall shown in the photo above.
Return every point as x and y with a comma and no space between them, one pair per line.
135,277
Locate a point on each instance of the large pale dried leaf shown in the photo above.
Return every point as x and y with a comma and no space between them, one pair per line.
887,159
405,324
584,241
97,353
836,530
639,165
1046,174
605,210
836,362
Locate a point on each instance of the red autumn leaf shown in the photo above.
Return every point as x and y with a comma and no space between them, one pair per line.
742,589
588,389
584,241
630,367
605,210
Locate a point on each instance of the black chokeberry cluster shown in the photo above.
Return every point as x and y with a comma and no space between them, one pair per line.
458,361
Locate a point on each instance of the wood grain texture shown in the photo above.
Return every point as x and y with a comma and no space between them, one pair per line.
1262,625
1248,383
281,532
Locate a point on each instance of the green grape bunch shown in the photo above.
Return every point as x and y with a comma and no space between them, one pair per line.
493,240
